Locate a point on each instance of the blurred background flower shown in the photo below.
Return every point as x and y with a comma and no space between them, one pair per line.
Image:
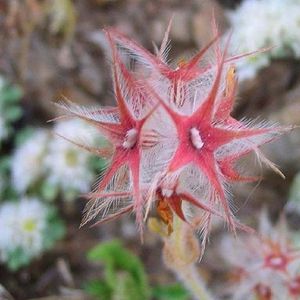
263,265
27,161
258,25
67,165
29,228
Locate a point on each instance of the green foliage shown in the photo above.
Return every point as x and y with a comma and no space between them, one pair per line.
170,292
55,230
6,190
98,164
10,110
48,191
23,135
17,259
99,289
125,277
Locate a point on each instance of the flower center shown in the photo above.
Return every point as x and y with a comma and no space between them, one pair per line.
29,225
130,138
277,262
71,158
196,138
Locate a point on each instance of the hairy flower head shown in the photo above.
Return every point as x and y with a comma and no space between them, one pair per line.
174,139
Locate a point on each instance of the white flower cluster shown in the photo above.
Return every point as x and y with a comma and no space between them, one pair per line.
54,160
257,24
22,225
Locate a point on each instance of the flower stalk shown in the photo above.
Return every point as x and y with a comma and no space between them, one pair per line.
181,253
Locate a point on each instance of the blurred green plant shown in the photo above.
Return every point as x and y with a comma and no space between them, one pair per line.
6,189
10,110
125,277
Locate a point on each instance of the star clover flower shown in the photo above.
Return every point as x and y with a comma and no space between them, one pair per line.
174,141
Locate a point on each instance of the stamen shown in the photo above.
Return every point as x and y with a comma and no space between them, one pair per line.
196,138
130,138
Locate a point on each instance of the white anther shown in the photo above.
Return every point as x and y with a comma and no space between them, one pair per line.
276,261
130,138
196,138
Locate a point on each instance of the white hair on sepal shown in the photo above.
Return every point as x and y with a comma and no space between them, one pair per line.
196,183
165,54
201,86
106,207
158,145
261,158
115,197
165,44
92,113
247,144
139,100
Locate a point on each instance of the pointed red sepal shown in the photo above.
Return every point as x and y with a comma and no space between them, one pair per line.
176,205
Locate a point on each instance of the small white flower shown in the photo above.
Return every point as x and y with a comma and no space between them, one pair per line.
22,225
27,161
67,163
257,24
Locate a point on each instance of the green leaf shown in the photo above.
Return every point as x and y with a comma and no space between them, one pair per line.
126,288
170,292
17,259
11,94
5,163
97,164
98,289
48,191
54,231
117,259
23,135
13,113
